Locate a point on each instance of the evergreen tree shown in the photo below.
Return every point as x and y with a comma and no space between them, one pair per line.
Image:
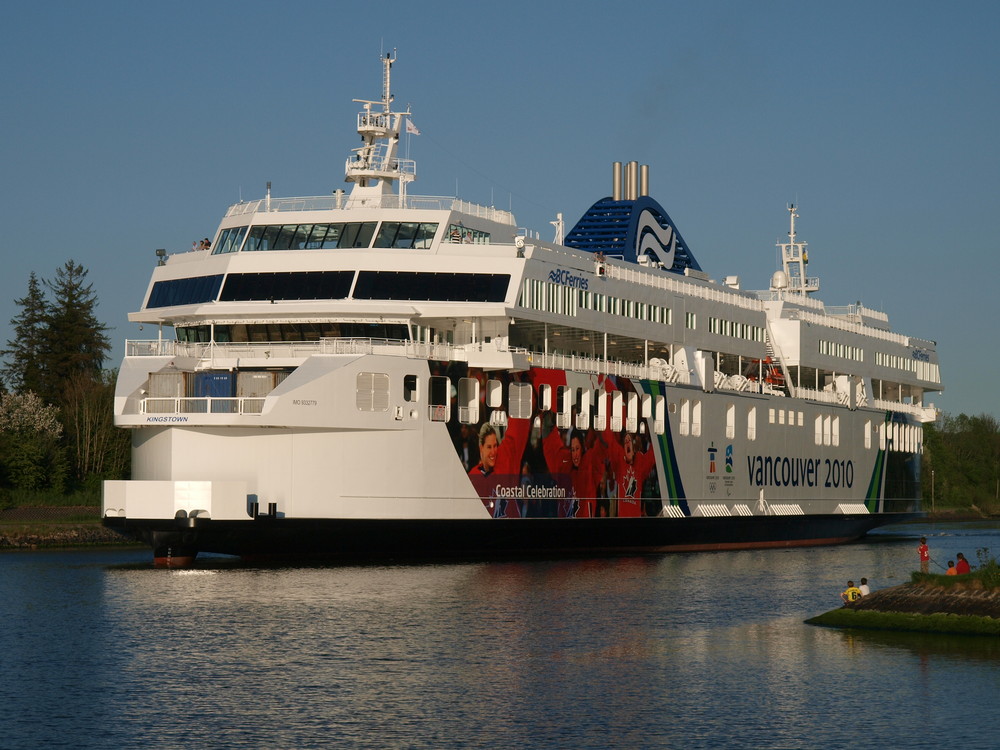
75,341
24,354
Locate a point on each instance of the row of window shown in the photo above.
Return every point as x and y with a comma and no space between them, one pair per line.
844,351
269,333
351,234
463,235
735,329
310,285
583,408
923,370
563,299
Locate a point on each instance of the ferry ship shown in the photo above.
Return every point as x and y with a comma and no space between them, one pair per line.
378,374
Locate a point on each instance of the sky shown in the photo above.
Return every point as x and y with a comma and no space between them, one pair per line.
131,126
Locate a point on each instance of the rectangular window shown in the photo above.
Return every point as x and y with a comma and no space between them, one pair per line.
405,234
410,392
564,407
616,411
230,240
631,412
601,416
439,398
468,400
584,396
494,394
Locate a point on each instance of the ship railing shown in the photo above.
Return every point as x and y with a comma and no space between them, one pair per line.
780,295
664,282
153,348
201,405
923,413
856,310
337,202
826,397
296,349
847,325
588,364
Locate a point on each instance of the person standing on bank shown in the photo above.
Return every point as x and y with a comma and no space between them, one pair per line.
925,555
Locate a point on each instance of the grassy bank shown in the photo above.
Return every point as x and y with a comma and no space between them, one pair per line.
931,603
55,526
939,622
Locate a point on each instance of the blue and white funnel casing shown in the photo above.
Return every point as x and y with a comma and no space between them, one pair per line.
632,226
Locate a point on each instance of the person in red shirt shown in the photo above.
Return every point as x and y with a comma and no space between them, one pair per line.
584,465
962,566
925,555
499,466
631,469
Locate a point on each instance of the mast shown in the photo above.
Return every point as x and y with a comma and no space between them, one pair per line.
375,166
794,259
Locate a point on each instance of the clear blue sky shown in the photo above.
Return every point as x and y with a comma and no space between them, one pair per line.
131,126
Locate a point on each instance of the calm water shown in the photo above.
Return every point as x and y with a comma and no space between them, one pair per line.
99,650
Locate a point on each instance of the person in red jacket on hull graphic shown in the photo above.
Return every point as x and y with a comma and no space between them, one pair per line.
499,467
630,468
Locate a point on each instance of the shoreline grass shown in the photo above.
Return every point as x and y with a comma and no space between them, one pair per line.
867,619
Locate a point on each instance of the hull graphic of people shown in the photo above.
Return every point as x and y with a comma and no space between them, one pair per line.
631,468
583,464
498,473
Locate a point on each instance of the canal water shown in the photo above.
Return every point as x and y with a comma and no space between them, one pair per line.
706,650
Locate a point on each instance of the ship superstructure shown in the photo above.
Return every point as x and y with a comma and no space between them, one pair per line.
378,373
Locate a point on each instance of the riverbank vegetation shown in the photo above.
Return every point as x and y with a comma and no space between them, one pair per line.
57,436
866,619
961,466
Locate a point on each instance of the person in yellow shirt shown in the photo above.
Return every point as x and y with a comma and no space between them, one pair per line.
851,594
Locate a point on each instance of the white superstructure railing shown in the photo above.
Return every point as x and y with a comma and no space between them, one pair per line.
678,285
337,202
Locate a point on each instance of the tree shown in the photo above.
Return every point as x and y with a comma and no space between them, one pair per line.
98,449
75,341
31,454
964,454
24,355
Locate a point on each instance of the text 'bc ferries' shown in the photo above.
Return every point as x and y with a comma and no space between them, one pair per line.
374,373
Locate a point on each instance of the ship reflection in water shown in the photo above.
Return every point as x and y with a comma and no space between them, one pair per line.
693,650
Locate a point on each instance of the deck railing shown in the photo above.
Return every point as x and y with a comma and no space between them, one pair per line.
337,202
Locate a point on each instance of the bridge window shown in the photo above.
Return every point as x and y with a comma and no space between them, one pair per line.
406,234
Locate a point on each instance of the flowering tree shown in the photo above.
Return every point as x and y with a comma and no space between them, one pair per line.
31,457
